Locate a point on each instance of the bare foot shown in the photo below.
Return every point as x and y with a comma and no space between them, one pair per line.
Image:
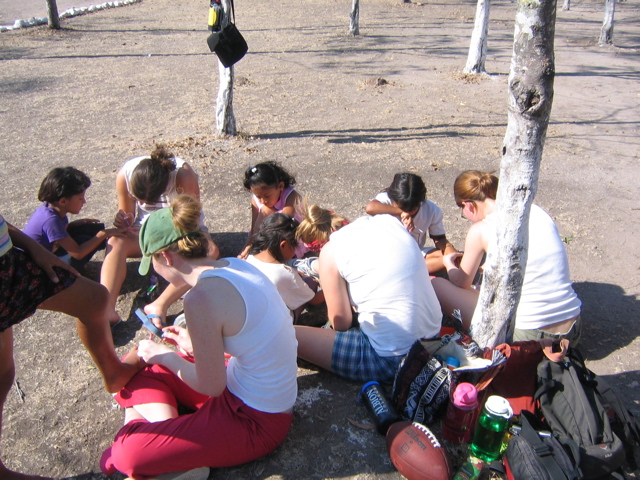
152,309
131,364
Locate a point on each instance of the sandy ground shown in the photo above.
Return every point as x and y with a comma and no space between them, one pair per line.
110,85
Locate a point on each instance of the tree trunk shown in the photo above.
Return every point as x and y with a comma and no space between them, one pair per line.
566,5
530,98
225,118
52,13
354,18
478,45
606,34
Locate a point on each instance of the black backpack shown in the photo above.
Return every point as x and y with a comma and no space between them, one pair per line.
538,455
572,407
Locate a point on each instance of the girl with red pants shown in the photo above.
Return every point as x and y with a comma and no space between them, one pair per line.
243,411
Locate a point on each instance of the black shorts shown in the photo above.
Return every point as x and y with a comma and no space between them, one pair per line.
24,286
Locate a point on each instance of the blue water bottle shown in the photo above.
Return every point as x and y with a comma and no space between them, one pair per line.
379,406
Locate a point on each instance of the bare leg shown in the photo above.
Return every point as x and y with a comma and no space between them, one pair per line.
7,375
88,302
171,294
434,261
315,345
154,412
114,267
453,298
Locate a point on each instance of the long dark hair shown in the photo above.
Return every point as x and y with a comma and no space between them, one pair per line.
269,174
150,178
275,228
407,190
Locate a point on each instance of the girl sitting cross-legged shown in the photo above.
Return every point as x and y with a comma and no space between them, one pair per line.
240,412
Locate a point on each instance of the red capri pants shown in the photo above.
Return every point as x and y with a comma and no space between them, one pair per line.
222,432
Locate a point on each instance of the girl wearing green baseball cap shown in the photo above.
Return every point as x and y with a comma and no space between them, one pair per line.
231,308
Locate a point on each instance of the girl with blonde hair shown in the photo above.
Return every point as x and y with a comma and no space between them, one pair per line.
231,307
314,231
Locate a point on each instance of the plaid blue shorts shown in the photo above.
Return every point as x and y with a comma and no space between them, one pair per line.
354,358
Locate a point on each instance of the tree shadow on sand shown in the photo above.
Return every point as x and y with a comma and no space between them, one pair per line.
610,319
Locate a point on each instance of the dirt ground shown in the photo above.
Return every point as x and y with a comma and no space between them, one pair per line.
341,113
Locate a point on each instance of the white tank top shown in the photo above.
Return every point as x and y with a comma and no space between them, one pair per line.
547,293
262,372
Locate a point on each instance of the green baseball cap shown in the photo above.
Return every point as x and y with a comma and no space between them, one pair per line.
156,233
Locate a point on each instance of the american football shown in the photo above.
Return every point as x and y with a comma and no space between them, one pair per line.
416,452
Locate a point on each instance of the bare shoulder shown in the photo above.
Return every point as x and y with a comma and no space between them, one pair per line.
293,199
216,301
187,181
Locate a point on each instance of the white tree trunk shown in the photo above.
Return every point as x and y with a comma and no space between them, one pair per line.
354,18
52,14
566,5
530,98
606,34
478,46
225,118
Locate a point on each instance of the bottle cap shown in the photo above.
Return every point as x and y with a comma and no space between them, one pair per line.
362,390
465,395
452,362
498,406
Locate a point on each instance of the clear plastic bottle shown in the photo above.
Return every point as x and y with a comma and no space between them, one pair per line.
490,429
151,292
459,421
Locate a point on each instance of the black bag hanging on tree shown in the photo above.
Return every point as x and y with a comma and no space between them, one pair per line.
228,43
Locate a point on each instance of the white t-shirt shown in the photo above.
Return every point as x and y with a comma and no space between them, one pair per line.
547,293
388,283
291,287
262,371
428,219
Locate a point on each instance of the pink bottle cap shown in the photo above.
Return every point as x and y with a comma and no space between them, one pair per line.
465,396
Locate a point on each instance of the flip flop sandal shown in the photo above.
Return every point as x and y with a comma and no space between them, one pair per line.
153,315
148,323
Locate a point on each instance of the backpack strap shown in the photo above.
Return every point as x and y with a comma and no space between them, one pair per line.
542,450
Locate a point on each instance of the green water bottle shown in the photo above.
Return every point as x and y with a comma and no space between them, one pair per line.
490,429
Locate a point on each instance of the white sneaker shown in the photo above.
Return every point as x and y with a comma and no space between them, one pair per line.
306,266
201,473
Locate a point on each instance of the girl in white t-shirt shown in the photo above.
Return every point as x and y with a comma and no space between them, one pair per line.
274,245
406,198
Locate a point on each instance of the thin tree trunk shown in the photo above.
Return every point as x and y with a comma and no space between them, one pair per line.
606,34
52,14
566,5
478,45
354,18
530,99
225,118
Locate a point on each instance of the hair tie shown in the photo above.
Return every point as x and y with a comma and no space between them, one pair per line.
254,170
